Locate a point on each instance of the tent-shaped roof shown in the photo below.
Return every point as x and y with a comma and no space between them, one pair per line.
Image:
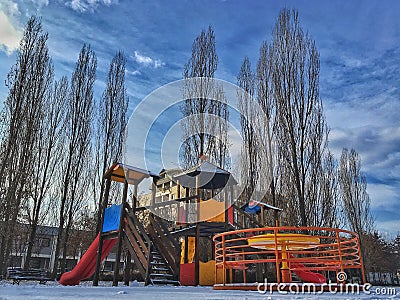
209,175
133,175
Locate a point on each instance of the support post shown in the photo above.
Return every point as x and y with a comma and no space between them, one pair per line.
197,241
100,247
187,205
153,192
135,190
120,234
178,205
128,258
186,251
226,202
232,194
262,215
128,268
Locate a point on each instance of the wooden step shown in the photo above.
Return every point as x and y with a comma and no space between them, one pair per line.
158,263
164,282
157,257
161,275
160,269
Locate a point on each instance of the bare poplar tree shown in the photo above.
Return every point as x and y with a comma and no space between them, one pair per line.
301,129
248,121
204,135
48,152
78,139
77,201
220,139
29,83
111,123
356,202
267,134
353,191
324,208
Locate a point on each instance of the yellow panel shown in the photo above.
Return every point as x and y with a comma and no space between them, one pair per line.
290,241
206,269
207,273
212,210
191,242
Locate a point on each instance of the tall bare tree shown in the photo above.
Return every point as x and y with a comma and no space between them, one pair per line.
204,98
301,129
353,191
267,133
356,203
111,123
48,151
248,121
77,201
29,82
324,208
78,139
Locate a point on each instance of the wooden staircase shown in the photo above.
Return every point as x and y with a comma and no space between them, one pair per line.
154,251
160,272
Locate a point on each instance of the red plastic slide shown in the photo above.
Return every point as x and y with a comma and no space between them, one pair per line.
87,265
307,276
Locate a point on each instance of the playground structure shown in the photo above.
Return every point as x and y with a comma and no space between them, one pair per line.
162,237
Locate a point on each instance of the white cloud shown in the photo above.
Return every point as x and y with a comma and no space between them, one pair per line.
40,3
147,60
10,8
133,73
381,195
10,32
88,5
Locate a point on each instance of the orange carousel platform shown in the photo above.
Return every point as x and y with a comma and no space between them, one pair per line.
314,254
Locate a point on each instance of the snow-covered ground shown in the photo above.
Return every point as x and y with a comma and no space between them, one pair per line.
85,291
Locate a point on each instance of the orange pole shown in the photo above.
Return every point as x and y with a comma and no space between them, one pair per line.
278,273
223,261
361,261
340,252
216,263
244,267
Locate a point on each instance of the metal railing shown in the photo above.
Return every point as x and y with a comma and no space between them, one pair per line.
326,249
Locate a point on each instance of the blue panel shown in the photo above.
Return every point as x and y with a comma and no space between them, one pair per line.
111,218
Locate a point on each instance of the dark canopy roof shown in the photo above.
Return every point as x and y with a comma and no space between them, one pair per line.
209,175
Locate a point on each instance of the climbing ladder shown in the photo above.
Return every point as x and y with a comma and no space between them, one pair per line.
154,251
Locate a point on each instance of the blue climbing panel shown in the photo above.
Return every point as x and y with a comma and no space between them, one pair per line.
111,218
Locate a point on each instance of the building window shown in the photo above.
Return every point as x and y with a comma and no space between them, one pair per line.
43,242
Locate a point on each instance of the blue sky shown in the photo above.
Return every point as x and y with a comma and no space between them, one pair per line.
358,43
